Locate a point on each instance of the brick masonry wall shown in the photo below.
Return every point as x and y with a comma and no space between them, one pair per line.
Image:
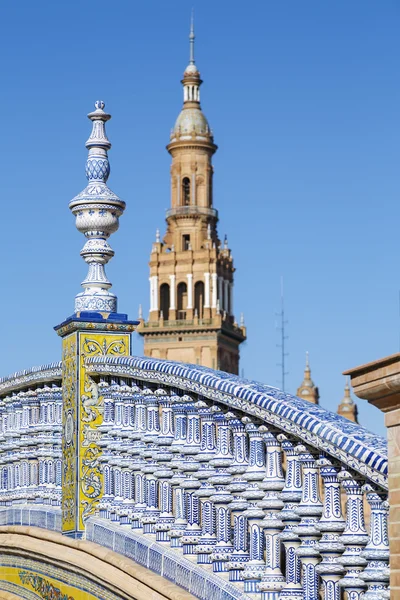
392,421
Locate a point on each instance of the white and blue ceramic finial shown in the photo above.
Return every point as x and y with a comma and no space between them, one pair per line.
97,210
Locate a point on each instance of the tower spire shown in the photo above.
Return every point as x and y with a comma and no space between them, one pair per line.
191,77
97,210
191,38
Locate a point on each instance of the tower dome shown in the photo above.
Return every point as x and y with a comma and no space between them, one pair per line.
191,122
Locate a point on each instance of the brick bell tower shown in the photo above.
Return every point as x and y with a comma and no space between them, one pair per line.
191,271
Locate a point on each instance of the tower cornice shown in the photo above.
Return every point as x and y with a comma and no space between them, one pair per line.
188,144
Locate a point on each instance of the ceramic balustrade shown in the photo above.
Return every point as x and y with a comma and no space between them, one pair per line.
211,481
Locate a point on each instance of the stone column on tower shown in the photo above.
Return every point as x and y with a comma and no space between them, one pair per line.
95,328
191,272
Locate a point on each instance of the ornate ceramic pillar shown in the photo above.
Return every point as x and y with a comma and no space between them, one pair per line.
354,537
139,491
153,419
208,443
166,436
272,581
331,525
179,525
224,456
193,530
254,568
240,554
309,509
152,511
164,474
377,574
180,424
224,547
291,496
256,468
192,445
208,537
240,449
96,328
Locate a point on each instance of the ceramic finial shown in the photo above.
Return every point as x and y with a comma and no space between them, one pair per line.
97,210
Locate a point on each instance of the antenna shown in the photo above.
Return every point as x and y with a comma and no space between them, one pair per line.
283,338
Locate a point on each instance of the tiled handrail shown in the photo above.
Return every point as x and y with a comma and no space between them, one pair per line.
348,442
35,376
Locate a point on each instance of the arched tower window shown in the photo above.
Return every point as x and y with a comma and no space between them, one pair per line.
186,191
164,300
199,298
182,300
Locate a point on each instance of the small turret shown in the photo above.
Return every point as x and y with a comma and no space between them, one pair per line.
348,408
307,390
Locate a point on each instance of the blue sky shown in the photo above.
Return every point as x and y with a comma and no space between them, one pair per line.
303,99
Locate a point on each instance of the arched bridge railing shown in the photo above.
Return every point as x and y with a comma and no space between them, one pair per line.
230,488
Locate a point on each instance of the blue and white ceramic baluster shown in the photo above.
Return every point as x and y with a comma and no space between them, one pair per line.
224,455
167,421
192,445
256,469
331,525
153,419
139,489
164,473
310,510
127,409
208,443
139,429
130,405
377,574
118,404
240,555
105,443
180,522
152,511
272,581
192,532
240,449
354,537
128,483
208,537
291,496
180,424
224,546
254,568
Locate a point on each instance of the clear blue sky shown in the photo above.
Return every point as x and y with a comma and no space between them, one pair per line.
303,98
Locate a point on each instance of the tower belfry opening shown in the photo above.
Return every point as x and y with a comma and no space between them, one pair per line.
194,321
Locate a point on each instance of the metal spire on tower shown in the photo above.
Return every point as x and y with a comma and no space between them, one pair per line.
97,210
191,39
